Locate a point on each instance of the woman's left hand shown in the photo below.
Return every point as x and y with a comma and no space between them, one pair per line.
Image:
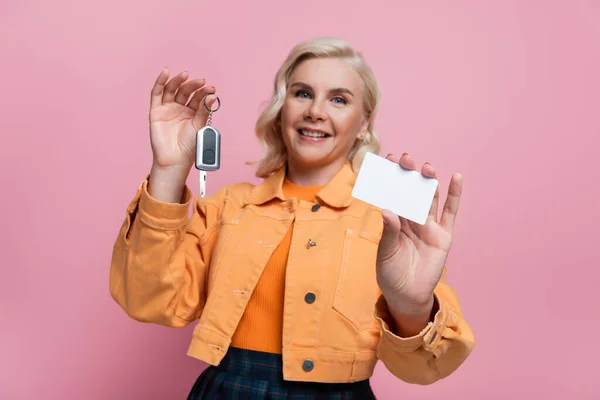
411,257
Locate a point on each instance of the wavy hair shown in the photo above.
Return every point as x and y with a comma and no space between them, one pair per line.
268,128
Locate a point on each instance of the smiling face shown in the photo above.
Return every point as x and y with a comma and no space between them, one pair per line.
323,113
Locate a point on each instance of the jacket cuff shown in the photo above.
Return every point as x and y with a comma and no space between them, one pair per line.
428,338
163,215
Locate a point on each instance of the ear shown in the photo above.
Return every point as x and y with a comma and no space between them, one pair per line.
363,128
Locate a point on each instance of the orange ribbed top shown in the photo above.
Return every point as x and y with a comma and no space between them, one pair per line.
261,325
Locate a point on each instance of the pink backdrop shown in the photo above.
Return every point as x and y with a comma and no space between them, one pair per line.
507,93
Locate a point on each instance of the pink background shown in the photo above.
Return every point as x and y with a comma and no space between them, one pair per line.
508,93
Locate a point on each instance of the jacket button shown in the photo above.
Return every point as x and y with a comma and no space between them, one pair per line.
310,297
311,243
308,365
315,207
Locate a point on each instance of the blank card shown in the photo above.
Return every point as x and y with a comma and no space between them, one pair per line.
387,185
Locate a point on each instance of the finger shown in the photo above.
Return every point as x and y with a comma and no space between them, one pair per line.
188,88
210,100
391,221
158,88
452,202
433,210
392,157
198,98
407,161
412,230
172,86
202,112
428,171
391,229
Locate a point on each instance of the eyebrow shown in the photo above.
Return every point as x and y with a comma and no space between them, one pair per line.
306,86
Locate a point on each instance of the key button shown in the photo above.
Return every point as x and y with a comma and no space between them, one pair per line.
208,157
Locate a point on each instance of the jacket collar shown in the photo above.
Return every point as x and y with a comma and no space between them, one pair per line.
337,193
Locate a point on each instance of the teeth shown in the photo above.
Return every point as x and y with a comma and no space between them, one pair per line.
313,134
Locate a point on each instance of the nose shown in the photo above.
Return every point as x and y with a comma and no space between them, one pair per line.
315,111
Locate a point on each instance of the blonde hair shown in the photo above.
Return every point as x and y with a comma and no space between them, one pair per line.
268,129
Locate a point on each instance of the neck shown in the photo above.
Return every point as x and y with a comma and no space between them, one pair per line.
310,176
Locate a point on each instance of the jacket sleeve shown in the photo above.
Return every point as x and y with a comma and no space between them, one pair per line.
160,259
437,351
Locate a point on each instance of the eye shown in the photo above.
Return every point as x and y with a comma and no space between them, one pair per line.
339,100
302,94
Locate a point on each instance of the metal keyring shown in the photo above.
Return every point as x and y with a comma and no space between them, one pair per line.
208,109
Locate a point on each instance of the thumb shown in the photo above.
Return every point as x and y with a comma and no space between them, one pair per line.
207,103
389,243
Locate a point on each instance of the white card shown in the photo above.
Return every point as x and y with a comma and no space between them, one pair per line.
387,185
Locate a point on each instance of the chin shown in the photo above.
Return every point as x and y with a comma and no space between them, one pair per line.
311,158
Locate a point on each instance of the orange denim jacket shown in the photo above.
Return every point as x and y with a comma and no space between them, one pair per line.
173,270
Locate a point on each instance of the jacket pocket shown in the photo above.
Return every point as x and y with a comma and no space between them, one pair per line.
357,290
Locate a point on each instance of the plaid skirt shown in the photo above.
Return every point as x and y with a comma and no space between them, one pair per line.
248,374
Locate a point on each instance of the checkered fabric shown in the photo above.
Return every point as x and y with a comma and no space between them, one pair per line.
246,374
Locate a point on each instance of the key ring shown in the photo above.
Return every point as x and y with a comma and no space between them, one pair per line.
208,109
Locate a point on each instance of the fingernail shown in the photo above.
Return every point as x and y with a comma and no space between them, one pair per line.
404,154
427,162
389,154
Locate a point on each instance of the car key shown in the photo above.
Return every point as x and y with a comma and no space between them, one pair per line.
208,148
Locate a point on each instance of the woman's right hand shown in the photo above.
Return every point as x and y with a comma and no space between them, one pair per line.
175,118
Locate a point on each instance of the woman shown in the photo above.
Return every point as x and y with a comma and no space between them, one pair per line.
298,288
